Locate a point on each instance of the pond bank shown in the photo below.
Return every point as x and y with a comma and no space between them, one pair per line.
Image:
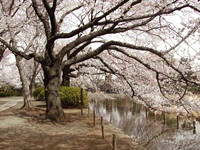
20,129
154,132
189,106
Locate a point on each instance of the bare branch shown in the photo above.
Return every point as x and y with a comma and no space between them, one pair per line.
123,29
183,39
87,56
194,8
11,6
105,64
159,54
90,24
74,53
2,50
105,46
162,11
54,6
15,51
51,12
82,39
31,43
66,13
42,19
115,72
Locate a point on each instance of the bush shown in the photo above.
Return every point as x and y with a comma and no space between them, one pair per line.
4,94
70,96
38,94
17,92
7,90
41,95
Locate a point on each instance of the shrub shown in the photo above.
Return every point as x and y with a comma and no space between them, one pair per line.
17,92
70,96
38,94
4,94
7,90
41,95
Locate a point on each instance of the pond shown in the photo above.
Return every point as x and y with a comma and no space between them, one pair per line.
154,132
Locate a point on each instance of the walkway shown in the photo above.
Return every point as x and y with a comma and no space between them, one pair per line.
9,102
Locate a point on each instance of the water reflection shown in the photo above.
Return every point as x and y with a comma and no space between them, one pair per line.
153,131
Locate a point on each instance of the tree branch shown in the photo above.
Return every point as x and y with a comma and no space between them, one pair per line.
82,39
87,56
31,43
112,71
51,12
2,50
183,39
105,46
15,51
90,24
42,19
74,53
162,11
66,13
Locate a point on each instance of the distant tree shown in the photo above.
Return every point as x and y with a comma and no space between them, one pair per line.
26,69
8,71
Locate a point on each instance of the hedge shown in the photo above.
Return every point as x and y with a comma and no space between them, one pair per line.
4,94
7,90
70,96
38,94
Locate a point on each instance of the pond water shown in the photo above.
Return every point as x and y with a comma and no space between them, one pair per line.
154,132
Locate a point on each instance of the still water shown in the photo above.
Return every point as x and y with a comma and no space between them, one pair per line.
152,131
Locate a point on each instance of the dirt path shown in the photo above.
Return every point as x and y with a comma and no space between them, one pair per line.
21,130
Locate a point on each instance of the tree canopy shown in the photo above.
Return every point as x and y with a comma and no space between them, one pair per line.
135,40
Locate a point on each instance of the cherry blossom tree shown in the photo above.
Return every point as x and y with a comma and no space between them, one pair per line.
8,71
27,71
76,31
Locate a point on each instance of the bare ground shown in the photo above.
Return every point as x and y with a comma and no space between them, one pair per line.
22,130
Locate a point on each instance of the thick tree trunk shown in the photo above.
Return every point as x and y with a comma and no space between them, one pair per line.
27,98
32,82
52,84
32,88
35,73
66,77
66,81
25,84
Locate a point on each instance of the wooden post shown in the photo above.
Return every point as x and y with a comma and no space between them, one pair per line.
82,101
88,111
164,118
94,117
114,142
146,113
177,121
154,113
194,128
102,127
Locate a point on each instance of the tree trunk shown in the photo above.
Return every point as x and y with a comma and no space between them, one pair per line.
32,87
52,84
66,77
27,99
25,83
66,80
2,50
